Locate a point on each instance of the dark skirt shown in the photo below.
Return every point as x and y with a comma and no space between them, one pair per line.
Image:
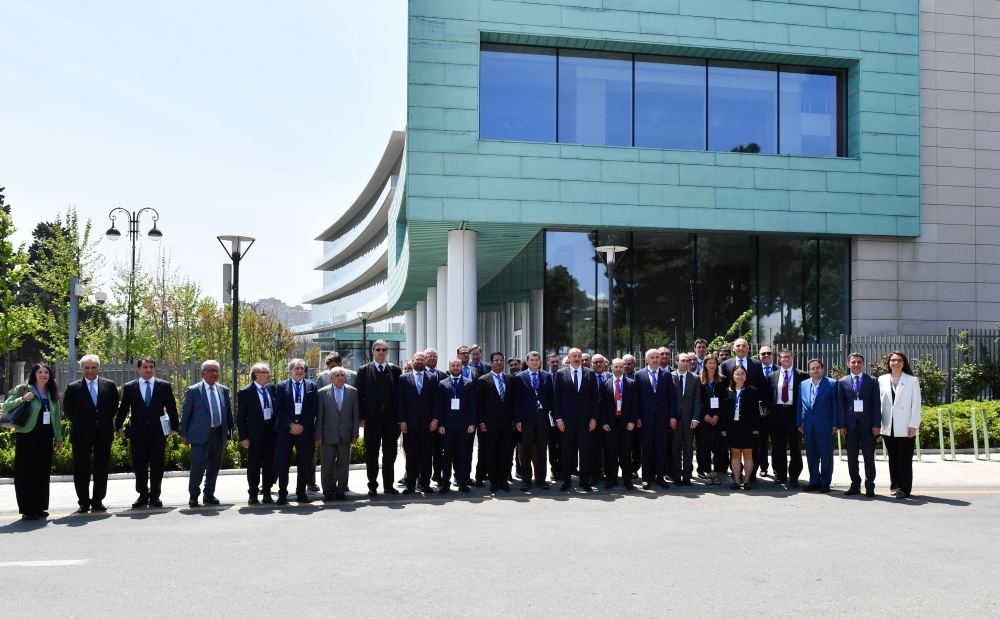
739,435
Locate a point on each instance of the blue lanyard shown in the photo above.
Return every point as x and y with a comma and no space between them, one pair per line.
739,394
42,399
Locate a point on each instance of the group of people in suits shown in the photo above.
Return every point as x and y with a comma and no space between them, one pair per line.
589,418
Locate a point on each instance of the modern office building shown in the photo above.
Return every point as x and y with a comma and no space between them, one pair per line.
831,165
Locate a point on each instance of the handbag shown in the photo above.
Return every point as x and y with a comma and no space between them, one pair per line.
17,417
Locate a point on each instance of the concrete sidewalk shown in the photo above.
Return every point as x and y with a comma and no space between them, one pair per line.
930,475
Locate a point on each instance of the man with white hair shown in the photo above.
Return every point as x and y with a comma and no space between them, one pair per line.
90,404
206,425
295,406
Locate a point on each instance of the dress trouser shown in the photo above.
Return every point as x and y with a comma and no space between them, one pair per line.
760,447
438,452
576,438
654,450
384,435
32,465
305,458
335,466
618,451
418,444
482,470
786,443
455,456
91,456
206,460
494,453
819,453
682,452
860,438
555,451
260,464
148,458
901,462
534,443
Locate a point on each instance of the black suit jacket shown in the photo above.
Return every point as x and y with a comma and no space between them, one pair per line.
750,403
655,406
145,420
87,420
490,409
570,405
250,414
629,401
872,415
526,405
284,406
377,393
774,387
755,377
460,420
417,410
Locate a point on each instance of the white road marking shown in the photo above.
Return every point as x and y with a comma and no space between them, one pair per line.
52,563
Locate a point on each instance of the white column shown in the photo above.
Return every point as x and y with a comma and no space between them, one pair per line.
462,289
420,342
432,325
442,319
410,328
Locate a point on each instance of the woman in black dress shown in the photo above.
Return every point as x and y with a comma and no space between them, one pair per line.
712,454
740,423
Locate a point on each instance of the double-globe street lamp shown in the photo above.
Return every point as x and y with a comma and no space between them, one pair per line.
113,234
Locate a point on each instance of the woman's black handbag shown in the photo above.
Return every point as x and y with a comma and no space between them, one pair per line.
17,417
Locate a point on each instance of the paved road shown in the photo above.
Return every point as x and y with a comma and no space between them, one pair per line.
688,552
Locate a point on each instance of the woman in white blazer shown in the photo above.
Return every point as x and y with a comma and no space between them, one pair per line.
900,393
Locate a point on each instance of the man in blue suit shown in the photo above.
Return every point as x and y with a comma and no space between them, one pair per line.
860,421
657,414
532,418
416,403
295,406
456,420
575,408
206,425
819,409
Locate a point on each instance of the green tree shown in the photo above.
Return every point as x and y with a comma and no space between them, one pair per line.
17,320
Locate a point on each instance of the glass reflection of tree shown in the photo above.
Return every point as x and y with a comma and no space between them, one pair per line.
566,307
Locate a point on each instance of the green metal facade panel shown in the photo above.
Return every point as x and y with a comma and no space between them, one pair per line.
507,191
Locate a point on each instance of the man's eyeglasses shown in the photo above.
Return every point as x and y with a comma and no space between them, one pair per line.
765,354
381,350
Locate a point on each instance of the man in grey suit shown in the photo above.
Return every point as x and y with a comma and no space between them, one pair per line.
689,404
336,430
206,425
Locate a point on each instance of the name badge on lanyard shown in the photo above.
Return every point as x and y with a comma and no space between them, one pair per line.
456,404
267,414
46,413
298,409
859,406
713,402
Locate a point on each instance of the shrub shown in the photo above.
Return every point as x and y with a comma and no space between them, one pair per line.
358,451
961,414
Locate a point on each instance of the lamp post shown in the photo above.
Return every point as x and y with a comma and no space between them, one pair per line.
113,234
364,335
609,253
238,247
77,290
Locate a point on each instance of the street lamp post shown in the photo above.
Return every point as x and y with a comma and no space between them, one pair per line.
238,247
609,253
113,234
364,335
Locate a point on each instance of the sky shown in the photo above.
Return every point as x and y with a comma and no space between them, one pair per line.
254,118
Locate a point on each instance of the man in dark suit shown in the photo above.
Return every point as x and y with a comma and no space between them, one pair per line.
255,419
555,437
786,440
90,404
377,386
151,409
437,447
532,410
860,421
657,415
618,417
760,455
629,362
416,400
494,409
476,360
688,417
755,378
206,425
295,407
456,419
575,409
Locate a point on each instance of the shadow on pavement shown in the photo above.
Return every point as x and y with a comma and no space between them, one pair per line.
23,526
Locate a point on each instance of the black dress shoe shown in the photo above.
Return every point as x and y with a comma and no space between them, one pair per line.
825,489
340,496
780,480
139,504
608,485
464,488
504,486
409,490
734,486
852,491
480,483
587,487
31,516
426,489
266,499
302,497
282,500
83,509
444,488
193,503
327,497
44,514
542,485
565,487
98,507
630,487
811,488
372,492
493,488
646,485
794,483
155,503
525,486
253,501
313,488
390,491
210,499
661,482
870,492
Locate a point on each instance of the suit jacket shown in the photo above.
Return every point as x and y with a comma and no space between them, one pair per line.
718,389
377,393
465,416
417,410
86,418
196,416
774,367
629,401
821,414
284,406
750,403
250,413
904,412
490,409
323,379
570,405
870,398
337,424
755,377
655,406
145,420
793,388
688,404
527,401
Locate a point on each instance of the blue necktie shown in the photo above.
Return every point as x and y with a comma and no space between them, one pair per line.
419,378
93,392
213,405
500,388
340,397
534,381
148,397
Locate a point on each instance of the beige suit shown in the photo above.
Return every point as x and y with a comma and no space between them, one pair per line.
336,429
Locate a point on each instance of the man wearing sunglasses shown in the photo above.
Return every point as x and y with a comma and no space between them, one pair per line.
377,383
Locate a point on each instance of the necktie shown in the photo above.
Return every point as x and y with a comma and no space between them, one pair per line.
784,387
465,372
576,380
298,391
600,380
148,397
340,397
767,371
812,394
534,381
653,377
683,383
419,379
618,388
267,400
214,406
498,379
857,386
742,365
93,391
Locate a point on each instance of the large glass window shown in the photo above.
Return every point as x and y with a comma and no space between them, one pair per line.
570,290
786,307
595,98
662,288
809,112
669,103
517,93
742,108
